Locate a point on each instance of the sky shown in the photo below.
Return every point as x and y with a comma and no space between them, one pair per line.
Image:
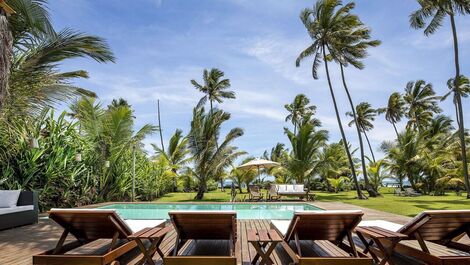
161,45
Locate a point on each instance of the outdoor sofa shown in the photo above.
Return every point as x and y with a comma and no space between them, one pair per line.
296,190
18,208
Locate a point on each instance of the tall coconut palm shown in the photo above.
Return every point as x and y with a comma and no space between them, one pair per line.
421,103
325,24
209,157
350,50
299,111
365,115
436,11
395,110
176,154
214,88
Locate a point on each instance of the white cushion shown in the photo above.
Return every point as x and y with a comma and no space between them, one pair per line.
281,225
281,188
9,198
299,188
16,209
382,224
289,188
137,225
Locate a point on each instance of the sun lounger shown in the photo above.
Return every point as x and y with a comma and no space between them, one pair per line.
101,237
433,236
203,225
326,229
255,193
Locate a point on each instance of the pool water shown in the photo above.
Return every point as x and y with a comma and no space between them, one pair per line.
244,210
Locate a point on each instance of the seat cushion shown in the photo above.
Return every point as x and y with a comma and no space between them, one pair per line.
9,198
281,226
382,224
16,209
137,225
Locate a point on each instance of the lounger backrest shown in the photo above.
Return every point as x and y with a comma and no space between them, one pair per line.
205,224
438,225
322,225
90,224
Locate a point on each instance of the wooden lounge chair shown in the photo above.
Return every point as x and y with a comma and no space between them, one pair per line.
255,193
203,225
326,229
272,193
101,237
433,237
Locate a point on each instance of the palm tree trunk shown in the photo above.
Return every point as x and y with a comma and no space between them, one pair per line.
201,189
370,146
160,126
370,190
458,101
6,55
395,128
343,136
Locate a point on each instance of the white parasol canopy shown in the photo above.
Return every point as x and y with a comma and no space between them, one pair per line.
259,163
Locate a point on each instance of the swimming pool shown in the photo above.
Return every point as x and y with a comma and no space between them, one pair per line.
244,210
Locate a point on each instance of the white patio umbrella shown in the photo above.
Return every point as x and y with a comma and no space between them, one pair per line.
259,163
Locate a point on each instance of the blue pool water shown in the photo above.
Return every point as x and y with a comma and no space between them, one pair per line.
244,210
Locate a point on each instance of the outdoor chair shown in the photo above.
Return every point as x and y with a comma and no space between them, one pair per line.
411,192
255,193
433,236
203,225
326,230
272,193
101,237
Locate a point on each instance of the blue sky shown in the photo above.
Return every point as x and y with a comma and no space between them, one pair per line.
161,45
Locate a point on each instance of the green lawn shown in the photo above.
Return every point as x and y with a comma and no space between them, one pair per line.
409,206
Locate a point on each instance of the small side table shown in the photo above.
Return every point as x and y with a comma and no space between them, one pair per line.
377,237
264,242
155,235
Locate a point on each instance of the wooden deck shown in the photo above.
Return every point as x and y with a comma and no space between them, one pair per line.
18,245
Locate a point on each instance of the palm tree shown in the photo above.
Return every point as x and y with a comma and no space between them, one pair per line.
436,11
402,156
365,115
326,26
209,157
332,163
35,80
214,88
243,176
20,22
395,110
299,111
421,103
176,153
303,158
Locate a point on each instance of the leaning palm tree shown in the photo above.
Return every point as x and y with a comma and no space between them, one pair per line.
209,157
350,50
176,154
436,11
365,115
325,24
214,88
395,110
299,111
421,103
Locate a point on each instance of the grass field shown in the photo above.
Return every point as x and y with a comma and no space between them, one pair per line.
408,206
